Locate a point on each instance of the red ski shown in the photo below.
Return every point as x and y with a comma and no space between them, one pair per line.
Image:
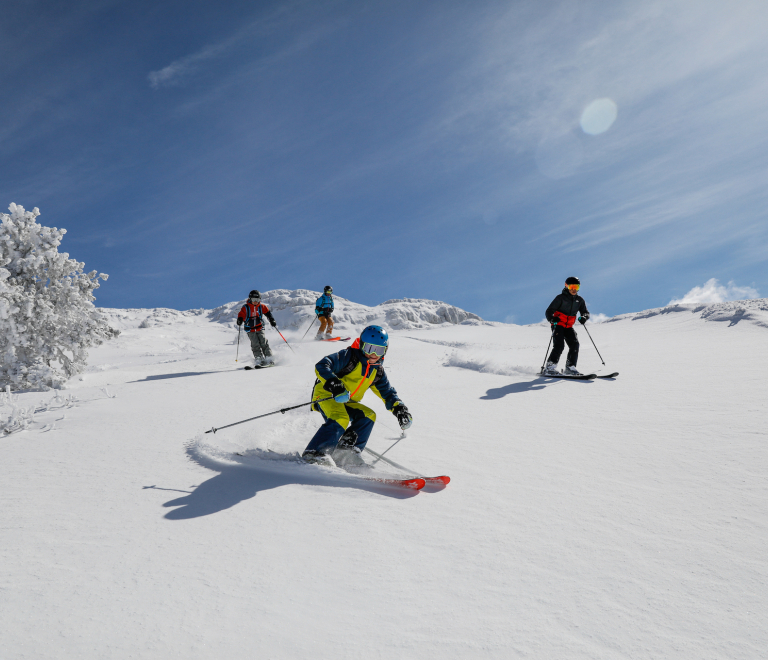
438,480
414,484
444,480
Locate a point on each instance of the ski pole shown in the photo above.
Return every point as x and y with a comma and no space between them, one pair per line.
282,410
237,355
380,456
285,340
310,325
551,337
392,463
593,344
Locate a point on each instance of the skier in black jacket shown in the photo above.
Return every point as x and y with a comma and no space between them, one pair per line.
561,313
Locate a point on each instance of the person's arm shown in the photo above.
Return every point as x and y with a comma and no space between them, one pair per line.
383,389
330,365
327,369
584,312
268,314
241,316
553,306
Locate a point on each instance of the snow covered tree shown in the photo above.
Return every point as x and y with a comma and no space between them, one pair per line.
47,315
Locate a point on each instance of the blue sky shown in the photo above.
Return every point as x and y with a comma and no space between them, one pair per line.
434,149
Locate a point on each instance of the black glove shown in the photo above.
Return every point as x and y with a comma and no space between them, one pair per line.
404,418
273,324
553,323
583,319
239,321
334,386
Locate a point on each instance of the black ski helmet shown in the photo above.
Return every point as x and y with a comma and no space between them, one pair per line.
573,280
254,294
328,289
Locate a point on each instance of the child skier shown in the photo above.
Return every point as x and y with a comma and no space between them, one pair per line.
324,309
561,313
354,369
252,315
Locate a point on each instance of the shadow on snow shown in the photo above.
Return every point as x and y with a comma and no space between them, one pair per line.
538,383
182,374
236,483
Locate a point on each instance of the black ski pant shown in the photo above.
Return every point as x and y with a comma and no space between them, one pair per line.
565,336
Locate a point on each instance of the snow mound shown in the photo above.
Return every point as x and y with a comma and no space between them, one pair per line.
754,311
486,362
130,319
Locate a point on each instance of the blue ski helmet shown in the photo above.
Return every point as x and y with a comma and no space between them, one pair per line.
374,334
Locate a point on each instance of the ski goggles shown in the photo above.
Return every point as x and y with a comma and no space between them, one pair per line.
374,349
254,299
573,287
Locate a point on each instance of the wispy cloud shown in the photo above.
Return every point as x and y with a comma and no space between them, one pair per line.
690,90
255,31
714,292
176,72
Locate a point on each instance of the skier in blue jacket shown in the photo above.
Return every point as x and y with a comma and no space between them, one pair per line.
324,309
348,423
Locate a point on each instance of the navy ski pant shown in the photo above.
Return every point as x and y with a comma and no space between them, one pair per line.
339,416
565,336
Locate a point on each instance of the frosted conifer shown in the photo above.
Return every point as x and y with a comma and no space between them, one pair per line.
47,315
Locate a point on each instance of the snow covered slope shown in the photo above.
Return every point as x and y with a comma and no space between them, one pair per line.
599,519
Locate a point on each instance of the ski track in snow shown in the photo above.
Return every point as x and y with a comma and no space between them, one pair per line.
587,519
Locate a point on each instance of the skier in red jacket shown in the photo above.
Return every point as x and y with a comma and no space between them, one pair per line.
561,313
252,315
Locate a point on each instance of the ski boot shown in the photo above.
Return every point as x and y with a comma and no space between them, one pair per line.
349,457
571,370
257,362
319,337
318,458
268,361
346,454
550,369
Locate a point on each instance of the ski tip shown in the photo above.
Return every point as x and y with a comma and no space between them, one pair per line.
438,480
413,484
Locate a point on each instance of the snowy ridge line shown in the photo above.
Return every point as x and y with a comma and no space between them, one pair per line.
295,310
754,310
